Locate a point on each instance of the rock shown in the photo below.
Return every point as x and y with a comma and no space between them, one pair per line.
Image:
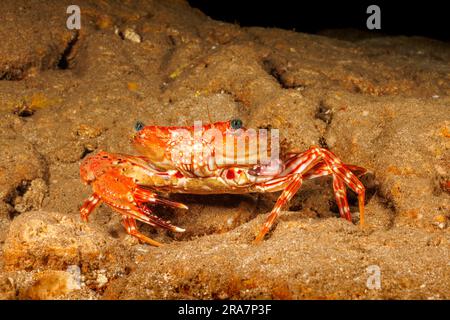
43,53
7,288
49,285
53,241
20,164
290,264
32,197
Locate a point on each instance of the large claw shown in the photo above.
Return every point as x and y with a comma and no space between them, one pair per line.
123,194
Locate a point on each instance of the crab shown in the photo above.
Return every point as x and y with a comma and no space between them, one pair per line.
195,160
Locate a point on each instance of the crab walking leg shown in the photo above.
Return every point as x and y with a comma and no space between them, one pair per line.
89,205
129,222
339,188
296,167
314,163
322,170
130,226
338,169
285,196
293,173
340,194
358,171
341,171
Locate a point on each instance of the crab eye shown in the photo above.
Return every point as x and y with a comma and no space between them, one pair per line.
138,126
236,124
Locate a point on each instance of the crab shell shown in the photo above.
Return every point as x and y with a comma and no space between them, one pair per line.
202,151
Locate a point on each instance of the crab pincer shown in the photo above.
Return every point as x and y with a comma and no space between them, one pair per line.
111,186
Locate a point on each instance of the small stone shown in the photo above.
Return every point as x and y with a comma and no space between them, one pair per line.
101,280
86,131
440,221
132,35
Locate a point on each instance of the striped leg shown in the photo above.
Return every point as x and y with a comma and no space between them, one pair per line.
340,192
322,170
345,176
285,196
130,226
89,205
311,164
342,174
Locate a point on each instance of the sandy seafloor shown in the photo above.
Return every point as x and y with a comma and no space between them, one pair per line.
382,103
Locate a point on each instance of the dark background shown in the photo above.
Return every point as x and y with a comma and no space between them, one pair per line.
422,18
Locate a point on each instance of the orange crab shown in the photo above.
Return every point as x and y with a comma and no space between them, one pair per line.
189,160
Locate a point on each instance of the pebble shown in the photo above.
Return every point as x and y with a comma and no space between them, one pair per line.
133,36
101,280
128,34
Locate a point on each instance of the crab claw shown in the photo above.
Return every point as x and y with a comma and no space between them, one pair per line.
145,195
121,193
154,220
